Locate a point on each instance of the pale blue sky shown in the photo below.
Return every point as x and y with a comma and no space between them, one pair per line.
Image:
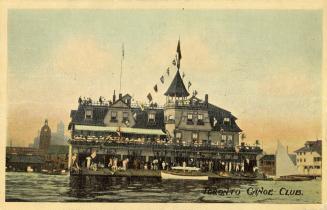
264,66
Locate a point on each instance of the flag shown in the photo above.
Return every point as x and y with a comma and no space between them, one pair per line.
162,79
126,123
189,85
168,71
179,53
183,75
214,121
118,131
149,96
195,93
174,62
155,88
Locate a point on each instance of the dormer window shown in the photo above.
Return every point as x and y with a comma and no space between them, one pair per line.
88,114
113,116
151,117
226,120
178,135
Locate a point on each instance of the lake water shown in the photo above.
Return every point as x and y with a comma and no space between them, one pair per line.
34,187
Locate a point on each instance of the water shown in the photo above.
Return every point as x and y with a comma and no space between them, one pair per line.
35,187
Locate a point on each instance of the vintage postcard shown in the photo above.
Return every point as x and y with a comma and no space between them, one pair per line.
175,103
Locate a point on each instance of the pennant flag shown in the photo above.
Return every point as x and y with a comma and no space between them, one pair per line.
149,96
155,88
168,71
189,85
162,79
183,75
174,62
195,92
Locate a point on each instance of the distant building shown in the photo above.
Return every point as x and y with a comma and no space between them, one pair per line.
45,137
20,158
267,163
309,158
57,138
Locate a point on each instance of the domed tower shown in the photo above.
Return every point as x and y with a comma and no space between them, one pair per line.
45,137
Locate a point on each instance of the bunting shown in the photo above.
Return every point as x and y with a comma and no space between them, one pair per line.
168,71
162,79
183,75
155,88
189,85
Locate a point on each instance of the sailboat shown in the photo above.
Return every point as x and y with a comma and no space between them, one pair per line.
285,168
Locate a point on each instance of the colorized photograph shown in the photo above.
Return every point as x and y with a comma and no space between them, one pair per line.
164,106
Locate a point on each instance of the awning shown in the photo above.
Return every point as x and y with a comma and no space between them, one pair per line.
156,132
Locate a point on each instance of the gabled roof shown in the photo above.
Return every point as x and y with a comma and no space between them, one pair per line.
177,87
218,114
311,146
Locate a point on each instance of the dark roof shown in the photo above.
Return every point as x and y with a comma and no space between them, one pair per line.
311,146
142,119
177,87
99,113
26,159
58,149
219,114
268,158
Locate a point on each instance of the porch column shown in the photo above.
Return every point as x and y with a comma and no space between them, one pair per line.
69,156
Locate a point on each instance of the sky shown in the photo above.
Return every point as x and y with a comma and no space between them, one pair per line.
262,65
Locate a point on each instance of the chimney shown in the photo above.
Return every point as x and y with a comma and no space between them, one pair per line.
206,99
120,95
114,97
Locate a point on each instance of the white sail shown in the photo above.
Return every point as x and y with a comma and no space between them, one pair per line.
284,164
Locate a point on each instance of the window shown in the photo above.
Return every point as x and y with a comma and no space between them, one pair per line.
300,159
303,159
317,167
171,117
125,116
88,114
200,119
226,120
151,117
195,136
113,116
189,118
316,159
178,135
303,153
223,138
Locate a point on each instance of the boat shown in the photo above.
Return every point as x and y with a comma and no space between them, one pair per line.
285,168
29,169
184,173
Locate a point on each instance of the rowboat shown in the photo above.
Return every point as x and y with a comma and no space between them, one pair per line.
186,173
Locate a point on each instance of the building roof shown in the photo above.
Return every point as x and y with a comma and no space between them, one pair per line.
311,146
99,113
26,159
142,118
177,87
268,158
219,114
58,149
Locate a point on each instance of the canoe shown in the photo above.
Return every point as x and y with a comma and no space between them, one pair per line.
170,175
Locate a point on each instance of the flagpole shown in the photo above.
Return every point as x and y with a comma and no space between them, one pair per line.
121,67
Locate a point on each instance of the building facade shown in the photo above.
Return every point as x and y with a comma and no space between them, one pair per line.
309,158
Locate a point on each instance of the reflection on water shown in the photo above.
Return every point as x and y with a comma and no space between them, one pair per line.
40,187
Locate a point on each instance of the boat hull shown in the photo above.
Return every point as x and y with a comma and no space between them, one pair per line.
166,175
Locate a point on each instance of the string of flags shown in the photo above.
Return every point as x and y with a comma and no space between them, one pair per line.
175,62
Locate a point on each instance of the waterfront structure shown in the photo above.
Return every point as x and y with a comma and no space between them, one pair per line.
45,137
267,165
20,158
185,129
309,158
